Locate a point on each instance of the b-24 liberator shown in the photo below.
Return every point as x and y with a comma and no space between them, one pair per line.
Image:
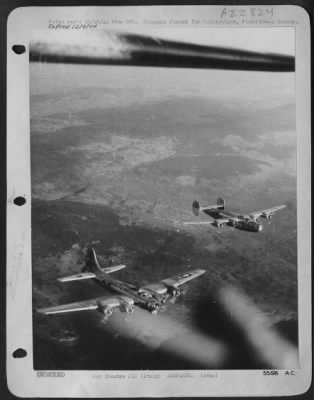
149,297
248,222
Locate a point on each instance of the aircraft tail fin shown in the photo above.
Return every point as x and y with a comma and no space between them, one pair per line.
221,203
196,207
91,262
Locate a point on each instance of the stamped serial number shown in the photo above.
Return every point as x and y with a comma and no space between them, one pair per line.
269,373
246,12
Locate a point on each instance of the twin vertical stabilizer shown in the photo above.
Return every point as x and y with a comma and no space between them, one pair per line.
196,207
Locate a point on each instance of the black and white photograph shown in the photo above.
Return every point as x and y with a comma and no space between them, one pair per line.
165,233
146,177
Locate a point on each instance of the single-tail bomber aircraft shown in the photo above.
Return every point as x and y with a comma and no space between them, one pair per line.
149,297
248,222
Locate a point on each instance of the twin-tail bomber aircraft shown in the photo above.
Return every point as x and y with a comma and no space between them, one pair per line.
246,222
150,297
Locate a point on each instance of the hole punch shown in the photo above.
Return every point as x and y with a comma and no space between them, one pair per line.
18,49
19,353
19,201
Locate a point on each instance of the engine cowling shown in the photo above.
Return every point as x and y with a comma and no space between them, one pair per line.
152,307
267,216
218,223
163,299
233,222
106,310
128,308
175,292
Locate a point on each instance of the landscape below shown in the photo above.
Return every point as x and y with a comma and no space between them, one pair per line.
116,166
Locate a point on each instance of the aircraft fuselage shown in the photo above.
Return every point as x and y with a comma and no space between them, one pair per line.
142,298
242,222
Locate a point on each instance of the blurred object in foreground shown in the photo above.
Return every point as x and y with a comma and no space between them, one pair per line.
250,340
168,336
115,48
224,331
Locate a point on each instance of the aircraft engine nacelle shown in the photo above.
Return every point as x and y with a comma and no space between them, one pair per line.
233,222
105,309
254,218
163,299
126,304
267,216
128,308
218,223
153,307
175,292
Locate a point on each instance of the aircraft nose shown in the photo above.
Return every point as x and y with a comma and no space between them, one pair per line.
260,228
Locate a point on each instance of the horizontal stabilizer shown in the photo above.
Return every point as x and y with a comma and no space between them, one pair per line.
114,268
196,207
77,277
90,275
204,208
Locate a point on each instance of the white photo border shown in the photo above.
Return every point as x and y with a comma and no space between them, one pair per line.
22,379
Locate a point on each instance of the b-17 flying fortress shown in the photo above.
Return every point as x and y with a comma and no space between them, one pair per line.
248,222
150,297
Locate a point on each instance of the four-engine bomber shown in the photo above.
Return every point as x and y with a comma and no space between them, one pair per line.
127,296
247,222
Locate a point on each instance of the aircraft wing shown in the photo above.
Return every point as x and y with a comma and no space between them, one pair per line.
175,281
217,222
200,223
90,275
267,211
85,305
180,279
116,48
